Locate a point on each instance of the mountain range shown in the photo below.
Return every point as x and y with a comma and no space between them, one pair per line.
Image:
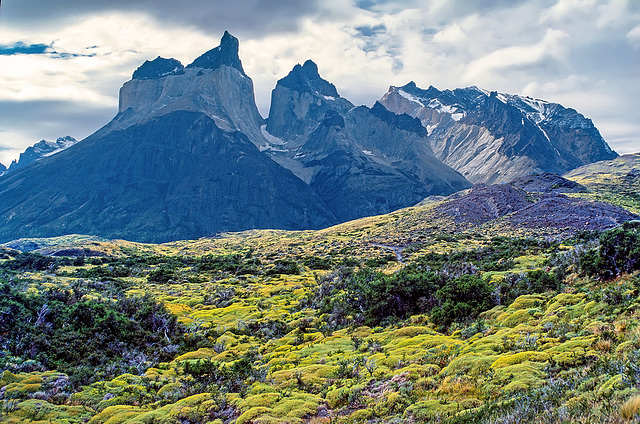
41,149
188,154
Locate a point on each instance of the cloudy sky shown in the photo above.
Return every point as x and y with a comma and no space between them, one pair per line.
62,62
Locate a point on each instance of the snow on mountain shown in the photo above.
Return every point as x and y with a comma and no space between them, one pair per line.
493,137
41,149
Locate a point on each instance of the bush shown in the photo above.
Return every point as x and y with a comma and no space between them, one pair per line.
461,300
619,253
284,266
67,332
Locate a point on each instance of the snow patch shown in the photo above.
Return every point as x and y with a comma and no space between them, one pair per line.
368,152
329,97
410,97
457,116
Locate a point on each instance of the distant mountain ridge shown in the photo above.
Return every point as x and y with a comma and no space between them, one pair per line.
491,137
189,155
41,149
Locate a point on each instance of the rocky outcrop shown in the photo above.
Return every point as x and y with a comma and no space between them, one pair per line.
547,183
361,161
214,84
300,101
506,207
158,68
226,54
562,212
485,203
491,137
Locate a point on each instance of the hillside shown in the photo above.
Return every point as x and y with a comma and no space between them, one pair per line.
616,181
459,311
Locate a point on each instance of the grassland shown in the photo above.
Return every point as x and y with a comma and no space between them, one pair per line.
409,317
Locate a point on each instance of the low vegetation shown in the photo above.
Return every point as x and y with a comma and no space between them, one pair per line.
466,328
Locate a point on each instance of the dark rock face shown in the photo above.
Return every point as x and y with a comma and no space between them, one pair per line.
306,78
508,207
494,137
360,161
158,68
175,177
547,183
226,54
41,149
300,101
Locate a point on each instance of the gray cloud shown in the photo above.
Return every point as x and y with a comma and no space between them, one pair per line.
243,17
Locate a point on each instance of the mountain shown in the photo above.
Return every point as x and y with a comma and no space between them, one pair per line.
491,137
361,161
178,161
41,149
189,155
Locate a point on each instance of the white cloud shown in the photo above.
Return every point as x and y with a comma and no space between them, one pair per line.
634,36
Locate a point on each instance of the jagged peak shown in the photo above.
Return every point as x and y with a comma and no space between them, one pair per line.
158,68
306,78
225,54
413,89
401,121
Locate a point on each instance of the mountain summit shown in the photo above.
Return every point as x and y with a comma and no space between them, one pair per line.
189,155
491,137
226,54
178,161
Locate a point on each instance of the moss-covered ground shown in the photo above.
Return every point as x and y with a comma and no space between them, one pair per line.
276,327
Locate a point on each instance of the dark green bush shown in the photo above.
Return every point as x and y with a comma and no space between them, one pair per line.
284,266
461,300
619,253
66,331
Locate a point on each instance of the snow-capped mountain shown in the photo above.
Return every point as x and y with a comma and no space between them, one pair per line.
491,137
40,150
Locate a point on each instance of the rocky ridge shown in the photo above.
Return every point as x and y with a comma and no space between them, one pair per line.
361,161
41,149
491,137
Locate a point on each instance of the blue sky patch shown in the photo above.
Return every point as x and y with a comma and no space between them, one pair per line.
23,48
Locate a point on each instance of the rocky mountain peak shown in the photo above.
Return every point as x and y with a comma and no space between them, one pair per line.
225,54
306,78
401,121
39,150
158,68
494,137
